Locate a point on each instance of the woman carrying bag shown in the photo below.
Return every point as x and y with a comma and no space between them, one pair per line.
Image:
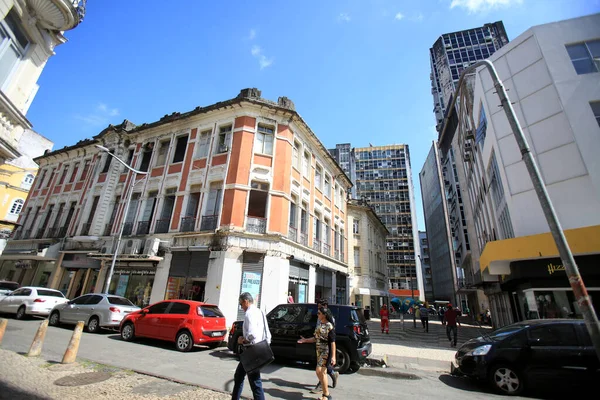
325,344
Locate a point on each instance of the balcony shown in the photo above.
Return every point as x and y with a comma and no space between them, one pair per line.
53,232
187,224
256,224
108,229
336,254
58,15
85,229
209,222
143,228
26,234
162,226
292,233
316,245
303,239
40,233
326,249
127,228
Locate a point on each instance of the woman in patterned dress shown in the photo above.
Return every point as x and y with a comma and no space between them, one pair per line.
325,344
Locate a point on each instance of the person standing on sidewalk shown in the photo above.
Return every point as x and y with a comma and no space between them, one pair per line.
384,314
452,324
424,315
254,331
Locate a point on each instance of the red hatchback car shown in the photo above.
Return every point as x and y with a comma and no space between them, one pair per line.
184,322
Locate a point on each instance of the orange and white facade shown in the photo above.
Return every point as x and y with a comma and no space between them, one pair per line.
240,196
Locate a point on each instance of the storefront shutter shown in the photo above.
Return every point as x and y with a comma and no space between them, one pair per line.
198,264
252,267
180,263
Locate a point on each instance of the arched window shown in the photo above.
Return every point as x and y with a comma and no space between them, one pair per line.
29,179
17,206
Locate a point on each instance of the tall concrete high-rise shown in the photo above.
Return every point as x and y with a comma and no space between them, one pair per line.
344,155
384,179
455,51
426,266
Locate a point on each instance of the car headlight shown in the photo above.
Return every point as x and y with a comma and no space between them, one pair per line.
480,351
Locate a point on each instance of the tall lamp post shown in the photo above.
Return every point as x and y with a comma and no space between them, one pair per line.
579,290
133,182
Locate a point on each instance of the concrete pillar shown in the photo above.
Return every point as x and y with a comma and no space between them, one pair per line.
223,282
102,275
312,281
159,288
275,282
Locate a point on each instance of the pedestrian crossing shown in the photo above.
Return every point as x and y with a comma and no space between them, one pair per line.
406,334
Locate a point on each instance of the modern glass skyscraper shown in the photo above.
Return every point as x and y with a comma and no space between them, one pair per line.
452,53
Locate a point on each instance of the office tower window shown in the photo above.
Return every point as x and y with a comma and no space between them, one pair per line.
585,56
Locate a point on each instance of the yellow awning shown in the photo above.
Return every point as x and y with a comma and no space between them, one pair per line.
497,255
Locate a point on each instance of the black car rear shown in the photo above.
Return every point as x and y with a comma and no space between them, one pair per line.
288,322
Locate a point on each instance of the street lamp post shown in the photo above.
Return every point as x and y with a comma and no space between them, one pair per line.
579,290
133,182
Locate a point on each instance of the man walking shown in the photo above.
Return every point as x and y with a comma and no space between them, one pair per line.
255,330
451,320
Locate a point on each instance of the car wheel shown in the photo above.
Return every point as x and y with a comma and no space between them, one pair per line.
20,313
93,325
54,319
342,360
184,341
506,380
128,332
354,367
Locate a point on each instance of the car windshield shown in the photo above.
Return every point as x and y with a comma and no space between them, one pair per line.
501,333
210,311
9,285
119,301
51,293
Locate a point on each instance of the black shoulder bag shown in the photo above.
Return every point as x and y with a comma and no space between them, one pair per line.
259,355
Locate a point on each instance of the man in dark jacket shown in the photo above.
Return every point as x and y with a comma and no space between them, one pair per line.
451,319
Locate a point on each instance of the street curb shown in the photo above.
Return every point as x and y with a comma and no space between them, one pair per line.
404,362
387,373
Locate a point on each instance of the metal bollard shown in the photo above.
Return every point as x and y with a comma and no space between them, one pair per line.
71,352
36,346
3,323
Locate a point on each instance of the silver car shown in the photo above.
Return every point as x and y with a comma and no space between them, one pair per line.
31,300
96,310
7,287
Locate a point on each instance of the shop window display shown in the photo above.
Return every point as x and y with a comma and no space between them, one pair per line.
136,288
179,288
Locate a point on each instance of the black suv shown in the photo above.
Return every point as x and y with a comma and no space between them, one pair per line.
287,322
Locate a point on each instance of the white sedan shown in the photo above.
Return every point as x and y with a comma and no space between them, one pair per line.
31,300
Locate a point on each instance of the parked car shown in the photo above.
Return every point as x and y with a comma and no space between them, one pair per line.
287,322
7,287
31,300
531,354
96,310
184,322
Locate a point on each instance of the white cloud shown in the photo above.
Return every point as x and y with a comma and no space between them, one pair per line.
419,17
263,61
252,34
474,6
344,17
399,16
100,116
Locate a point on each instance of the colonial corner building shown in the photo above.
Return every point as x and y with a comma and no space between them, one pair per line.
240,196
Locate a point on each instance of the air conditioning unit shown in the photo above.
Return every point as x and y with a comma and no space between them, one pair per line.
468,147
469,134
151,247
467,157
131,246
107,246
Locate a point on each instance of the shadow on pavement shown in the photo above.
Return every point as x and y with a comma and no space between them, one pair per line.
162,344
14,393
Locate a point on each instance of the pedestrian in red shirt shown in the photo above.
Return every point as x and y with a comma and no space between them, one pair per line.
384,314
451,320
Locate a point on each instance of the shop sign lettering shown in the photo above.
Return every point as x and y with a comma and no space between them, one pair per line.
23,264
552,268
135,272
251,284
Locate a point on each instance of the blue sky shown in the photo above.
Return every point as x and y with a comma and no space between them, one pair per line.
358,71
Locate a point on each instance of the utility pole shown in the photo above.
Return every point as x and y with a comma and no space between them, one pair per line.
579,290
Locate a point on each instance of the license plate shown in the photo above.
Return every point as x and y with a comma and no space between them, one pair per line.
217,334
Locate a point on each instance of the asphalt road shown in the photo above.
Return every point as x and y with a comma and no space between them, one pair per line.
214,368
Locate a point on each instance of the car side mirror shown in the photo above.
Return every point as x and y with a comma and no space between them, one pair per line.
144,311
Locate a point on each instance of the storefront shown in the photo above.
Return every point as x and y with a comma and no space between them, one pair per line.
27,272
252,278
341,292
79,274
541,289
324,285
371,299
298,282
187,275
133,280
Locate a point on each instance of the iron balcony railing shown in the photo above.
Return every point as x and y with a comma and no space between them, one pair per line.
303,239
256,224
162,226
63,232
127,228
209,222
292,233
85,229
187,224
27,234
326,249
342,258
336,254
316,245
52,233
143,228
40,233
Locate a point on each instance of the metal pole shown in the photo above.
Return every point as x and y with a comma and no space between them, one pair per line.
575,280
133,182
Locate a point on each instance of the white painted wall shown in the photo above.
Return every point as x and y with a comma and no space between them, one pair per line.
552,104
276,273
161,279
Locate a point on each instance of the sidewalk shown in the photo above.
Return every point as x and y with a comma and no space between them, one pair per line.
24,378
407,347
